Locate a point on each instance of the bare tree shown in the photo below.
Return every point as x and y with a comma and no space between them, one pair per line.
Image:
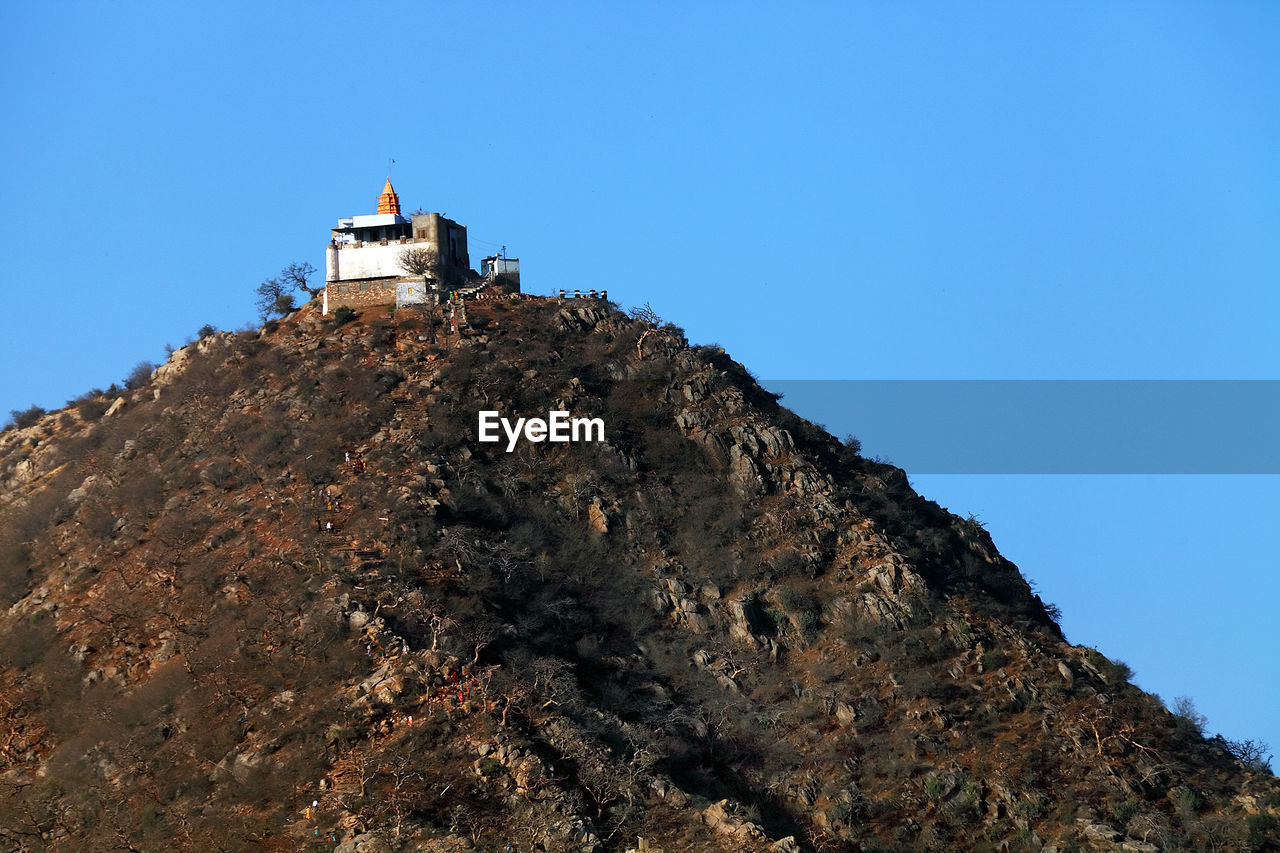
1254,754
421,260
549,676
364,768
1185,707
513,699
139,376
478,635
298,276
274,299
402,781
601,783
646,314
275,295
438,623
1149,824
1216,833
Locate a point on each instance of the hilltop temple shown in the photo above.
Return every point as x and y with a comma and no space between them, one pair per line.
364,265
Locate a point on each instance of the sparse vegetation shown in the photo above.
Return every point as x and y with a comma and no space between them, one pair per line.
276,295
421,261
973,526
1184,708
994,659
642,638
1116,672
645,314
139,376
1252,753
23,418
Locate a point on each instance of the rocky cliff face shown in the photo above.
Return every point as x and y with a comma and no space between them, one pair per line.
283,598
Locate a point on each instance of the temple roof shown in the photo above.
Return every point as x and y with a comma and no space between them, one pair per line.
388,201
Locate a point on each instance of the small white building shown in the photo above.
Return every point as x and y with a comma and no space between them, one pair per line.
495,266
363,259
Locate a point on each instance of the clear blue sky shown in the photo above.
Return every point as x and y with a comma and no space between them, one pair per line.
837,190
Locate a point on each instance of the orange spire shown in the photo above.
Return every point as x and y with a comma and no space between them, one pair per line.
389,202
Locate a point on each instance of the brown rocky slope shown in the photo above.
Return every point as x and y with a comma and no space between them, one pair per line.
721,629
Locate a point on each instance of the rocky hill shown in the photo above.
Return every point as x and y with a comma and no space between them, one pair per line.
283,598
